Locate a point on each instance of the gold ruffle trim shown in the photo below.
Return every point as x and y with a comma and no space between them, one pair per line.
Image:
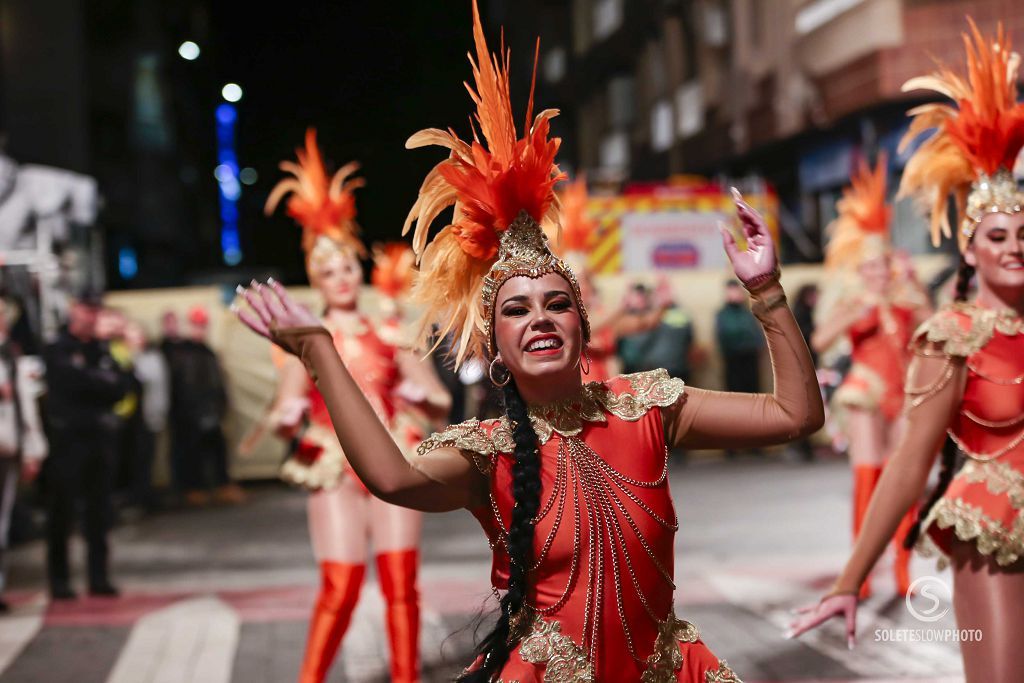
971,524
945,328
654,388
566,662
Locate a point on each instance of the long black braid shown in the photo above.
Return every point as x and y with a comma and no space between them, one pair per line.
496,646
964,274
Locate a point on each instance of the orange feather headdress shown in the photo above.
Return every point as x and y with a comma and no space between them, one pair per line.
324,208
578,229
861,230
501,188
394,268
973,150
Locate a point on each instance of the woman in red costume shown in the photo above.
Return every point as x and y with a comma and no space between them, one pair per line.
343,517
570,484
878,321
607,325
967,376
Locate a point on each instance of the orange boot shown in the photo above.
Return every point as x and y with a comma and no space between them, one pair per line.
865,478
339,592
902,563
397,573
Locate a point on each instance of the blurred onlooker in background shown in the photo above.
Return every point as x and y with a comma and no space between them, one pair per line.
170,344
155,389
22,445
85,383
111,324
658,332
198,405
740,342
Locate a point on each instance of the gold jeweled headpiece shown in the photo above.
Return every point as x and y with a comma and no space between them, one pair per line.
502,189
972,153
523,252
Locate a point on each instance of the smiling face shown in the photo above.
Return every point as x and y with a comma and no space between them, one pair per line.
537,328
876,272
338,278
997,252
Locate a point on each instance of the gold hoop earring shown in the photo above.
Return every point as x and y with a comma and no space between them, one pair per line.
587,356
490,374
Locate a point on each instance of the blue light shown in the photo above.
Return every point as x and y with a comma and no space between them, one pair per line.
127,263
226,114
227,182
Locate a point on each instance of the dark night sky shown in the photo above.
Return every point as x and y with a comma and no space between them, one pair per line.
367,75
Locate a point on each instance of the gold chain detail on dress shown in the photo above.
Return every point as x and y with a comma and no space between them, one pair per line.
922,394
992,424
722,675
986,457
1002,381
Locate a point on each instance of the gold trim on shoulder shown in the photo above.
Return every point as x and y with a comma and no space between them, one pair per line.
945,327
654,388
468,437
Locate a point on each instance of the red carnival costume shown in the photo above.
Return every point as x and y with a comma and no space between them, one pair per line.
342,514
971,156
878,339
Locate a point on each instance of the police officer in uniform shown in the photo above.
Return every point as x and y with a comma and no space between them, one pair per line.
85,382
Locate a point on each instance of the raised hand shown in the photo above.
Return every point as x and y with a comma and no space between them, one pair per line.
812,616
271,308
758,261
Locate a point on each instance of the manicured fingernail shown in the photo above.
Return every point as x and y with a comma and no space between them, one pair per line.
271,281
239,289
788,635
254,283
735,192
234,308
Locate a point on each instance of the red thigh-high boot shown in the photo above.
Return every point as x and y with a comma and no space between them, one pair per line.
865,478
901,565
397,572
339,592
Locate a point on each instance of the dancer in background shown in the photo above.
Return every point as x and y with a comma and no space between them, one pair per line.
343,517
967,377
877,318
570,484
573,245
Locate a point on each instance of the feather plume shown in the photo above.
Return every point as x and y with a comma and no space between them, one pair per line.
322,207
981,134
863,216
488,181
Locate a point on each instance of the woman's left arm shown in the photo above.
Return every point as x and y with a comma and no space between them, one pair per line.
717,419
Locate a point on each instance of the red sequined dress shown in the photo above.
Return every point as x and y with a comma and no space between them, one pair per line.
600,605
879,361
984,503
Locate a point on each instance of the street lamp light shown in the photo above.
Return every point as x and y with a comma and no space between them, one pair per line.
188,50
232,92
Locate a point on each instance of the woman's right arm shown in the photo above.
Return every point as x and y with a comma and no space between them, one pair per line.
440,481
829,332
935,384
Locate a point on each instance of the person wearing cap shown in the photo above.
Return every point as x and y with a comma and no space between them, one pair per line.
85,385
199,402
